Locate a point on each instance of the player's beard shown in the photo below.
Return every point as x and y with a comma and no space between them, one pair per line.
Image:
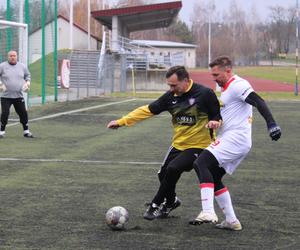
220,84
12,63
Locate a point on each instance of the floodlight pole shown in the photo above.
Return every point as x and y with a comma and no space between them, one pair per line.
8,31
43,54
89,24
71,25
297,44
21,20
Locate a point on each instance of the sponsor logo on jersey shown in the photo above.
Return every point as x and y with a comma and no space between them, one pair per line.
186,120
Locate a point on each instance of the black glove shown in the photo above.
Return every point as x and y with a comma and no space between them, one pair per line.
274,132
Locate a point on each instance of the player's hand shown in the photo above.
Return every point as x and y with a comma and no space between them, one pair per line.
113,124
214,124
2,87
26,86
274,132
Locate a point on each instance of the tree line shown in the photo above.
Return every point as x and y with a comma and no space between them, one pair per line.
241,35
234,32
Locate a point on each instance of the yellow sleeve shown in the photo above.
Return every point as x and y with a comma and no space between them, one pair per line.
134,116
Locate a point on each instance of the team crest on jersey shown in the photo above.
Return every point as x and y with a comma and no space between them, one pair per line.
191,101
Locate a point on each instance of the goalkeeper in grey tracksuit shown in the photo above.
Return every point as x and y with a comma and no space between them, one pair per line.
14,79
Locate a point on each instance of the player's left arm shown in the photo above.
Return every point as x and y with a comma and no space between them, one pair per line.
256,101
27,78
213,107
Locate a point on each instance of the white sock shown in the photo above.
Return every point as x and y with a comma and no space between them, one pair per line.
26,131
2,132
224,201
207,197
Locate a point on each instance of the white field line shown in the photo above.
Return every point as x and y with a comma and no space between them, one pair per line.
82,161
133,163
73,111
108,114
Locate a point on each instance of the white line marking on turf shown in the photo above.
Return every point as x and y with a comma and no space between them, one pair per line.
110,163
82,161
108,114
73,111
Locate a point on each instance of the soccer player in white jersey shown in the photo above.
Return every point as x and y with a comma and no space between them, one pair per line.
232,144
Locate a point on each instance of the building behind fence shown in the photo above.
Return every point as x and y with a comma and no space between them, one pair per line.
60,73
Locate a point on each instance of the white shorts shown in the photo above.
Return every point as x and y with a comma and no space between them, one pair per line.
230,149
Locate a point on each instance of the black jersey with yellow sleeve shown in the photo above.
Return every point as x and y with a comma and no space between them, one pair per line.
190,112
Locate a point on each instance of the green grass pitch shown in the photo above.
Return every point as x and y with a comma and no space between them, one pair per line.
56,188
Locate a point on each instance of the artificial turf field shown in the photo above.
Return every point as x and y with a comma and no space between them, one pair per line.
56,188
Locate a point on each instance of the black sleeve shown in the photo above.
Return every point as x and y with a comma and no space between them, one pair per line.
160,104
213,106
256,101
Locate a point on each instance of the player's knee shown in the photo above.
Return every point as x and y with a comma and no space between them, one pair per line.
197,166
5,113
172,170
218,185
160,176
161,173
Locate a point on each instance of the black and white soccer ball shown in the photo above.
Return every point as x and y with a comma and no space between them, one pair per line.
117,217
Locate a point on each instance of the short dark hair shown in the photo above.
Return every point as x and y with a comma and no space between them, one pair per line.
180,71
222,61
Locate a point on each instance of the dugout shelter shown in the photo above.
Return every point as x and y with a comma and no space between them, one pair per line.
122,21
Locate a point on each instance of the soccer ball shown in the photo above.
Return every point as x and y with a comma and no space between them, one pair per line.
116,217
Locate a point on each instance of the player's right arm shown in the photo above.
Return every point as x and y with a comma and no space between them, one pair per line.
141,113
2,86
131,118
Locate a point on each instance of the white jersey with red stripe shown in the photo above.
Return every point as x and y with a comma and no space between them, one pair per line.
234,138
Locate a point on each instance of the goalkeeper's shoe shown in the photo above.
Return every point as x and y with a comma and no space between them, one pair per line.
204,217
234,226
2,134
153,212
28,134
167,208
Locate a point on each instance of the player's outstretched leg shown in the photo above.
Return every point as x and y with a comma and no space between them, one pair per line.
27,134
207,215
153,212
167,208
204,217
234,226
231,222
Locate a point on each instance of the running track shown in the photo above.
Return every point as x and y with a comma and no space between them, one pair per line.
258,85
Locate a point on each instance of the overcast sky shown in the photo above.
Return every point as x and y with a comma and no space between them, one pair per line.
262,6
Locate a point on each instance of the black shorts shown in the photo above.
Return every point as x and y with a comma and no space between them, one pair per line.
182,161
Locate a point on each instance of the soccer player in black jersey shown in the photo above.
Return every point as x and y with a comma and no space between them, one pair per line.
195,112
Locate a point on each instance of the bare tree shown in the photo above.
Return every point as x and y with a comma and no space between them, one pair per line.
282,27
80,14
128,3
199,20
